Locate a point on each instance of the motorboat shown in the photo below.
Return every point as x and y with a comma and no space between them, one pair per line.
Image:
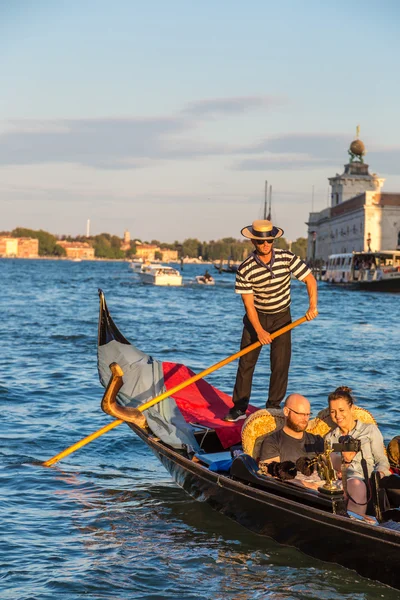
205,280
158,274
207,457
375,271
137,266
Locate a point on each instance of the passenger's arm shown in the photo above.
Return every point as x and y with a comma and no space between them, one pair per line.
378,452
251,312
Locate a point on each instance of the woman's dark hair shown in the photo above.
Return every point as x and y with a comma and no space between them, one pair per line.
342,392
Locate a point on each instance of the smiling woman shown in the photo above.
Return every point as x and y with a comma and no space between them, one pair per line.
355,466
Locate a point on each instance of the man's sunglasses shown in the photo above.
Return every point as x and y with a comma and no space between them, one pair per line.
259,242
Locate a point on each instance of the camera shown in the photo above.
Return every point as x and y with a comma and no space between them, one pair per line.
347,444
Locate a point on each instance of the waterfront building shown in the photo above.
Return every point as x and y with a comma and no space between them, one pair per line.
360,217
22,247
146,251
169,255
80,250
149,252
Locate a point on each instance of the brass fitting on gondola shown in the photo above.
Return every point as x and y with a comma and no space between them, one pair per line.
109,402
327,472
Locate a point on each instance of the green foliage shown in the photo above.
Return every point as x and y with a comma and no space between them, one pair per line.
191,247
158,255
281,243
225,249
299,247
59,251
47,241
107,246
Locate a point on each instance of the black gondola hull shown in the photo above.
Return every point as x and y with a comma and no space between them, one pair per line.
371,551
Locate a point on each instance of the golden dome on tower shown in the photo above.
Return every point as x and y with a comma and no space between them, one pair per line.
357,148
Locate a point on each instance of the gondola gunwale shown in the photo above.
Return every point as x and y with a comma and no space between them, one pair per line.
205,473
347,540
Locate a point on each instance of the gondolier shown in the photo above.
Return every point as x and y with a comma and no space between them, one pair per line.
263,280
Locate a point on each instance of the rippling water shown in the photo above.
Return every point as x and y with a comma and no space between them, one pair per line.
107,522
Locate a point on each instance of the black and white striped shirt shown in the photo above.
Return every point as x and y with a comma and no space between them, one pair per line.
270,283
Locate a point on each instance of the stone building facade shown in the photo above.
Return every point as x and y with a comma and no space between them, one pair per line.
147,252
360,218
19,247
81,250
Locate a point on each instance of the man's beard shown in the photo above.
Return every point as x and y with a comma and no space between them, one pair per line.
294,426
261,252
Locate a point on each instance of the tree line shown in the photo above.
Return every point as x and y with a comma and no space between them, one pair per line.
109,246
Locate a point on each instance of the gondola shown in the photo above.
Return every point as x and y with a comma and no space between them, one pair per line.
202,455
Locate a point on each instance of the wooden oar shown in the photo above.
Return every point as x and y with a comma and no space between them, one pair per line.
115,384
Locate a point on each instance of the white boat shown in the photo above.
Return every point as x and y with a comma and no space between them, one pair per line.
159,275
137,266
378,271
203,280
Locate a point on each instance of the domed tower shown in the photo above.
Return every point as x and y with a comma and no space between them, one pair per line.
357,151
356,178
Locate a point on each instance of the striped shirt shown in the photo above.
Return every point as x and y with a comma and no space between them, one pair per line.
270,283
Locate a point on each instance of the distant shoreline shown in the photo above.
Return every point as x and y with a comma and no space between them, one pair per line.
97,259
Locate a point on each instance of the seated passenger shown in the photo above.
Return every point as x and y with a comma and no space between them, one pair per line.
292,441
393,452
357,465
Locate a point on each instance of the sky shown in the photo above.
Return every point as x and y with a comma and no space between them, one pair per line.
165,118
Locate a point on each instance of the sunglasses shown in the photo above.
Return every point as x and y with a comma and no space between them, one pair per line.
260,242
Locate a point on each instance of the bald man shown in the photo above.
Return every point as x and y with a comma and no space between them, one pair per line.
292,441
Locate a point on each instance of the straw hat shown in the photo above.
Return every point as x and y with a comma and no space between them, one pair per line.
393,452
262,230
259,424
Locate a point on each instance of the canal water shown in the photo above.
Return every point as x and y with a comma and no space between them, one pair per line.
107,522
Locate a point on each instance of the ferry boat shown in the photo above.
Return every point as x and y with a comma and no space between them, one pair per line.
158,274
379,271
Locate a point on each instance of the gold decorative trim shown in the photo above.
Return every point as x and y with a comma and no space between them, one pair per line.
259,424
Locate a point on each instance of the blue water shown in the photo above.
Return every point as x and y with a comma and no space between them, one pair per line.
107,522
